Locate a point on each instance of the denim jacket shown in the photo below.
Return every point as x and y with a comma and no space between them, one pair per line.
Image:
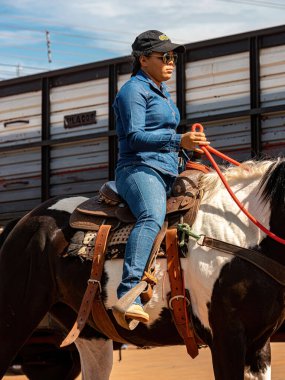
146,122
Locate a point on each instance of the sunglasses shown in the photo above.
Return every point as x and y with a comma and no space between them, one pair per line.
167,57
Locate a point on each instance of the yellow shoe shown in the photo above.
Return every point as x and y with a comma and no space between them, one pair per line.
137,312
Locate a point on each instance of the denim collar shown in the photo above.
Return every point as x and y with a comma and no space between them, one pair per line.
141,75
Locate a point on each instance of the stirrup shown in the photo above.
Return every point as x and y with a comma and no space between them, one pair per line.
120,308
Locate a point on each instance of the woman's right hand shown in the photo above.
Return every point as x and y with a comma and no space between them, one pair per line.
191,141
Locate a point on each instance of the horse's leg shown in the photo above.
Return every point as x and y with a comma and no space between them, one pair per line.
26,289
258,364
228,355
230,360
96,357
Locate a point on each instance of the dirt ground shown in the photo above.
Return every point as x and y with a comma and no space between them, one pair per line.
172,363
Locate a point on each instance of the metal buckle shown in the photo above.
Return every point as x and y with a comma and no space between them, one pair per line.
91,281
177,298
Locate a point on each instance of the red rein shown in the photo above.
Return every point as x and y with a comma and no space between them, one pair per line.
207,150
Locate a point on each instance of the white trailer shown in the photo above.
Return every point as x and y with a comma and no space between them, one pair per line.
57,129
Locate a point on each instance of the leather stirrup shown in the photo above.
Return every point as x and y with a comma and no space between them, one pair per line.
120,308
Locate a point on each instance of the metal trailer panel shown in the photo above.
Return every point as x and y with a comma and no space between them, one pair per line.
78,98
272,93
231,136
273,135
20,119
217,85
79,167
20,170
20,182
221,85
272,76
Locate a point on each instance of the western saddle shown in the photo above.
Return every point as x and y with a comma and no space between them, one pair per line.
106,213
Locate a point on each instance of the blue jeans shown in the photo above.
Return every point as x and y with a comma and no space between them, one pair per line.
144,189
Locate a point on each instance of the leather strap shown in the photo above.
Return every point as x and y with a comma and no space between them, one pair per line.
178,297
92,287
267,265
103,321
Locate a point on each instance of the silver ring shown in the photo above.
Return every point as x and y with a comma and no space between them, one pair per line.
91,281
177,298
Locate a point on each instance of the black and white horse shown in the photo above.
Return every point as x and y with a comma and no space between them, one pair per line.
236,306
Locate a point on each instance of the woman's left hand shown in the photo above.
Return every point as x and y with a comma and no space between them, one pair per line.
191,141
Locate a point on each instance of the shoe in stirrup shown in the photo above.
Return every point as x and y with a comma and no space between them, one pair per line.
137,312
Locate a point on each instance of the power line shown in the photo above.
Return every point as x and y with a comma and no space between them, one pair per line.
59,23
257,3
80,54
65,34
73,35
29,57
6,35
56,43
23,66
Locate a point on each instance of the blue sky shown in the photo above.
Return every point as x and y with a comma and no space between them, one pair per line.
90,30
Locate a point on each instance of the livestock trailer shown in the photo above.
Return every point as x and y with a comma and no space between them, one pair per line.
57,128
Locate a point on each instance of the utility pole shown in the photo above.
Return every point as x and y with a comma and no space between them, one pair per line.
18,70
48,46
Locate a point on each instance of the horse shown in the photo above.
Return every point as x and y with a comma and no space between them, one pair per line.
236,306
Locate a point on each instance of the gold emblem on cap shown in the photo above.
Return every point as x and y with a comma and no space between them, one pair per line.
163,37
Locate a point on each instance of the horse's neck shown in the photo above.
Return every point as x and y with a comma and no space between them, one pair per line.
219,216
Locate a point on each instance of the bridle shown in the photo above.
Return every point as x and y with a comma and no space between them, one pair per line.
207,149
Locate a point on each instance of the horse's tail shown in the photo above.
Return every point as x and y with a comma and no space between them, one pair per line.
7,229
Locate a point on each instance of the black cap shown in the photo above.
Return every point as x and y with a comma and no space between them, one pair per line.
153,40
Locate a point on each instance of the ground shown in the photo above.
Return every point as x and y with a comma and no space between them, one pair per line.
172,363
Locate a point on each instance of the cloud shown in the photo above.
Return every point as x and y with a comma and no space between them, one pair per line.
184,20
109,27
17,38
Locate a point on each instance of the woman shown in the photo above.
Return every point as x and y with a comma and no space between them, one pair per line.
146,122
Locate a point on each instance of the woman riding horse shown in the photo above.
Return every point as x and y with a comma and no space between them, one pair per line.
146,122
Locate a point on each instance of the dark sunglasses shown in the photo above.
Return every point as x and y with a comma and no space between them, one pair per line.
167,57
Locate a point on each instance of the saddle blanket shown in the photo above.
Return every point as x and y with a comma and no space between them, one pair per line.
82,244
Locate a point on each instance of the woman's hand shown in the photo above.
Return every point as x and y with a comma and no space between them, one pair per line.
190,141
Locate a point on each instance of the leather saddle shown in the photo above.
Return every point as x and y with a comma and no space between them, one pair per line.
109,208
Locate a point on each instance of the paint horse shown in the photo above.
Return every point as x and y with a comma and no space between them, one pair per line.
236,306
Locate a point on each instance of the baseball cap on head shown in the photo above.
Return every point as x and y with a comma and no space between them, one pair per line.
153,40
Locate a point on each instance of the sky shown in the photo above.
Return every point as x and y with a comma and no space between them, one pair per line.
43,35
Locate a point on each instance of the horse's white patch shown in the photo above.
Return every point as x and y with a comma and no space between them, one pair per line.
266,375
219,217
67,204
114,270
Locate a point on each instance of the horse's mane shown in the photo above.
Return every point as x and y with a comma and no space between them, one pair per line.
265,170
272,184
